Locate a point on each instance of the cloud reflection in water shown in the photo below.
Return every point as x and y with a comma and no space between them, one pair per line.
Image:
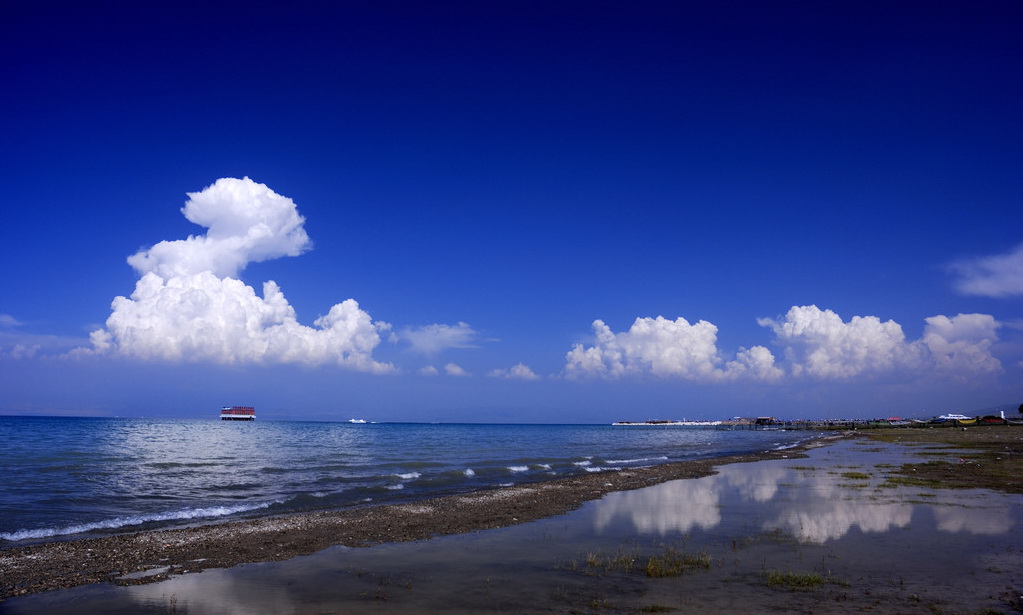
814,505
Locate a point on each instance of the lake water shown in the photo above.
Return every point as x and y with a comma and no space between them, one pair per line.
824,534
65,477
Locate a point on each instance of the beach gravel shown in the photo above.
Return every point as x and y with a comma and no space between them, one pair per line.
145,557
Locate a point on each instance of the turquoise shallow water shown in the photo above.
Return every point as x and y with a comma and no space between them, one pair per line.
72,476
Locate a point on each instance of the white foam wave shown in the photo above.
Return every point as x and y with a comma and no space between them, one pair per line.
545,466
396,487
581,464
518,468
409,476
602,469
643,460
468,472
120,522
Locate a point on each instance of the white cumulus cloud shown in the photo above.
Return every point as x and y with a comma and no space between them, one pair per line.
247,222
519,371
962,344
662,347
816,344
1000,275
819,344
187,306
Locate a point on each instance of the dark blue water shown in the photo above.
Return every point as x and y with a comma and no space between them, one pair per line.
62,477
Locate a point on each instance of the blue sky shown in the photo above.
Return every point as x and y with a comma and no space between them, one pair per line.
576,211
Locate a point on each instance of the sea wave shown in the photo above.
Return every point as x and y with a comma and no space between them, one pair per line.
120,522
640,460
785,446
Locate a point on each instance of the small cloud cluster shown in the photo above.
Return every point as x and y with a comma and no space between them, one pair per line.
18,343
188,306
519,371
816,344
432,339
991,276
12,345
668,348
452,369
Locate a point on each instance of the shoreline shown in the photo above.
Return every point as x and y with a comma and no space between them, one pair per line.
151,556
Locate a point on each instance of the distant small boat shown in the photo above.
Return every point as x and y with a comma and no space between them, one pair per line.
238,413
357,421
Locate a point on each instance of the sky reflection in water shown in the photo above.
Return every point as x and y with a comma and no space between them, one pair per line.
897,545
814,504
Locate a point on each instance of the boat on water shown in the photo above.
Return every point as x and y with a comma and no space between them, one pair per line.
238,413
357,421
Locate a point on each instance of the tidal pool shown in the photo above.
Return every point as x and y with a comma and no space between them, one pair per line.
824,534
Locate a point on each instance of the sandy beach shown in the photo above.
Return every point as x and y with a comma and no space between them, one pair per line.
821,515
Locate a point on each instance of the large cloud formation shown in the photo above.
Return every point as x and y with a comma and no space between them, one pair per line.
665,347
248,223
819,344
189,306
816,344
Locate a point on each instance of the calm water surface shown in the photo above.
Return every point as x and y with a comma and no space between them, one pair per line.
72,476
873,546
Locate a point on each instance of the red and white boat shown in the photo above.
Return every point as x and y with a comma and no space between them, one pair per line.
237,413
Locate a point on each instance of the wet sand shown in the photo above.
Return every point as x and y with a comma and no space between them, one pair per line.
146,557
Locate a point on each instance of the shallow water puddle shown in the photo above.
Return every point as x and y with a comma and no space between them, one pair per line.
827,533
